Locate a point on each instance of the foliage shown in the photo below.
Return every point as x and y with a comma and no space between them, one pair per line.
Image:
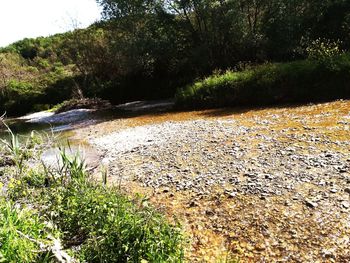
21,231
299,81
323,50
95,222
147,49
29,70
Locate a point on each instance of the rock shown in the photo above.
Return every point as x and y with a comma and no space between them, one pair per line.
328,253
286,203
268,176
166,190
260,247
209,212
193,204
345,204
251,175
311,203
342,170
231,194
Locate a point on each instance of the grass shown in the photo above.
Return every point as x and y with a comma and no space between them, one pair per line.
22,235
89,221
294,82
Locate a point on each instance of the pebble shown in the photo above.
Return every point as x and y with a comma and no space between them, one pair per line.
345,204
192,156
306,167
311,204
232,194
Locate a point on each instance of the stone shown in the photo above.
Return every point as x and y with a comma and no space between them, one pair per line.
231,194
345,204
166,190
311,203
193,204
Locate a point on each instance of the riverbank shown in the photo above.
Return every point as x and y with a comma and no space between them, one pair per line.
52,209
259,185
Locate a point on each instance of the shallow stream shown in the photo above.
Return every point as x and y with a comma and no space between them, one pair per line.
60,126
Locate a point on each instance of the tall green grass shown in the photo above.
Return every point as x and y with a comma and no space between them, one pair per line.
294,82
89,221
23,236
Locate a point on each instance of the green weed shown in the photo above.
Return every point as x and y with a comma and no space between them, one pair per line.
23,236
95,222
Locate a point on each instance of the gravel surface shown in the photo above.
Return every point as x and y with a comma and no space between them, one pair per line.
272,185
196,155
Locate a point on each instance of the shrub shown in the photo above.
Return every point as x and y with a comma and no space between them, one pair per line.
108,226
323,49
294,82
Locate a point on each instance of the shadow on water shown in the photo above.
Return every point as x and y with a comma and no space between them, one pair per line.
234,110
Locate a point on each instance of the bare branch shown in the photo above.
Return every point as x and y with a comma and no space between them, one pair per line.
56,249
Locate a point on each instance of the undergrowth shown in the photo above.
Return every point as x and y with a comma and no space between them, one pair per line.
300,81
51,213
23,235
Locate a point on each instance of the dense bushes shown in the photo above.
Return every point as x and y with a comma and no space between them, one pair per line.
27,85
299,81
147,49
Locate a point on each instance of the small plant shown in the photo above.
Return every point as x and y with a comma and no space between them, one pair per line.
19,152
95,222
15,151
23,237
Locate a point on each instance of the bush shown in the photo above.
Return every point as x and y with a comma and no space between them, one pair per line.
322,50
96,223
294,82
111,228
106,225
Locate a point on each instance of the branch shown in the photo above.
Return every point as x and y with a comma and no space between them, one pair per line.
56,249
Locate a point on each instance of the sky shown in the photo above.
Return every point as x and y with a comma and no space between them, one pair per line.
33,18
